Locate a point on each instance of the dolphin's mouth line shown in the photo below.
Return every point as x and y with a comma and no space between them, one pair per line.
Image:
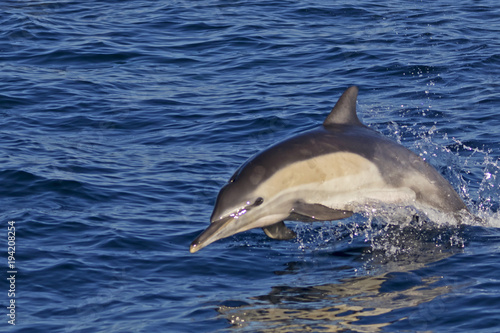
216,227
211,232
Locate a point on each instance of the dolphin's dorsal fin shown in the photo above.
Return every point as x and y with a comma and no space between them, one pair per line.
344,112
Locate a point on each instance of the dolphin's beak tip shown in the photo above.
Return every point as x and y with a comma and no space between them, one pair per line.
193,248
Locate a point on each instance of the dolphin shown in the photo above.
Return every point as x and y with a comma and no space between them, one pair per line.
329,173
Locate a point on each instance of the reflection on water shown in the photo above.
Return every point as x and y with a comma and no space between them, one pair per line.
361,303
353,304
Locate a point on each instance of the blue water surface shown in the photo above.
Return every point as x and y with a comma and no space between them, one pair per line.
121,120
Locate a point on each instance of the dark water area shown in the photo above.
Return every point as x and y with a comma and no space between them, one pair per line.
121,120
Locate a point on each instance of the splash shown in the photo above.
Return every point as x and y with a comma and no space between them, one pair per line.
474,172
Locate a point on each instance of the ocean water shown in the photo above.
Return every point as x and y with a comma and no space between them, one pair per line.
121,120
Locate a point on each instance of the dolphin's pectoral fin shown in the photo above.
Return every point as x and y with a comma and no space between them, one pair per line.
279,231
300,218
316,212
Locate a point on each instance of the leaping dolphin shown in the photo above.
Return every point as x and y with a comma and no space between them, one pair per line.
325,174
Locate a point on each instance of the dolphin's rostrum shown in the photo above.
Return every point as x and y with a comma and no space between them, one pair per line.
325,174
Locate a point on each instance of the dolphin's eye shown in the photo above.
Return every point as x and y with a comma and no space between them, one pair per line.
258,202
